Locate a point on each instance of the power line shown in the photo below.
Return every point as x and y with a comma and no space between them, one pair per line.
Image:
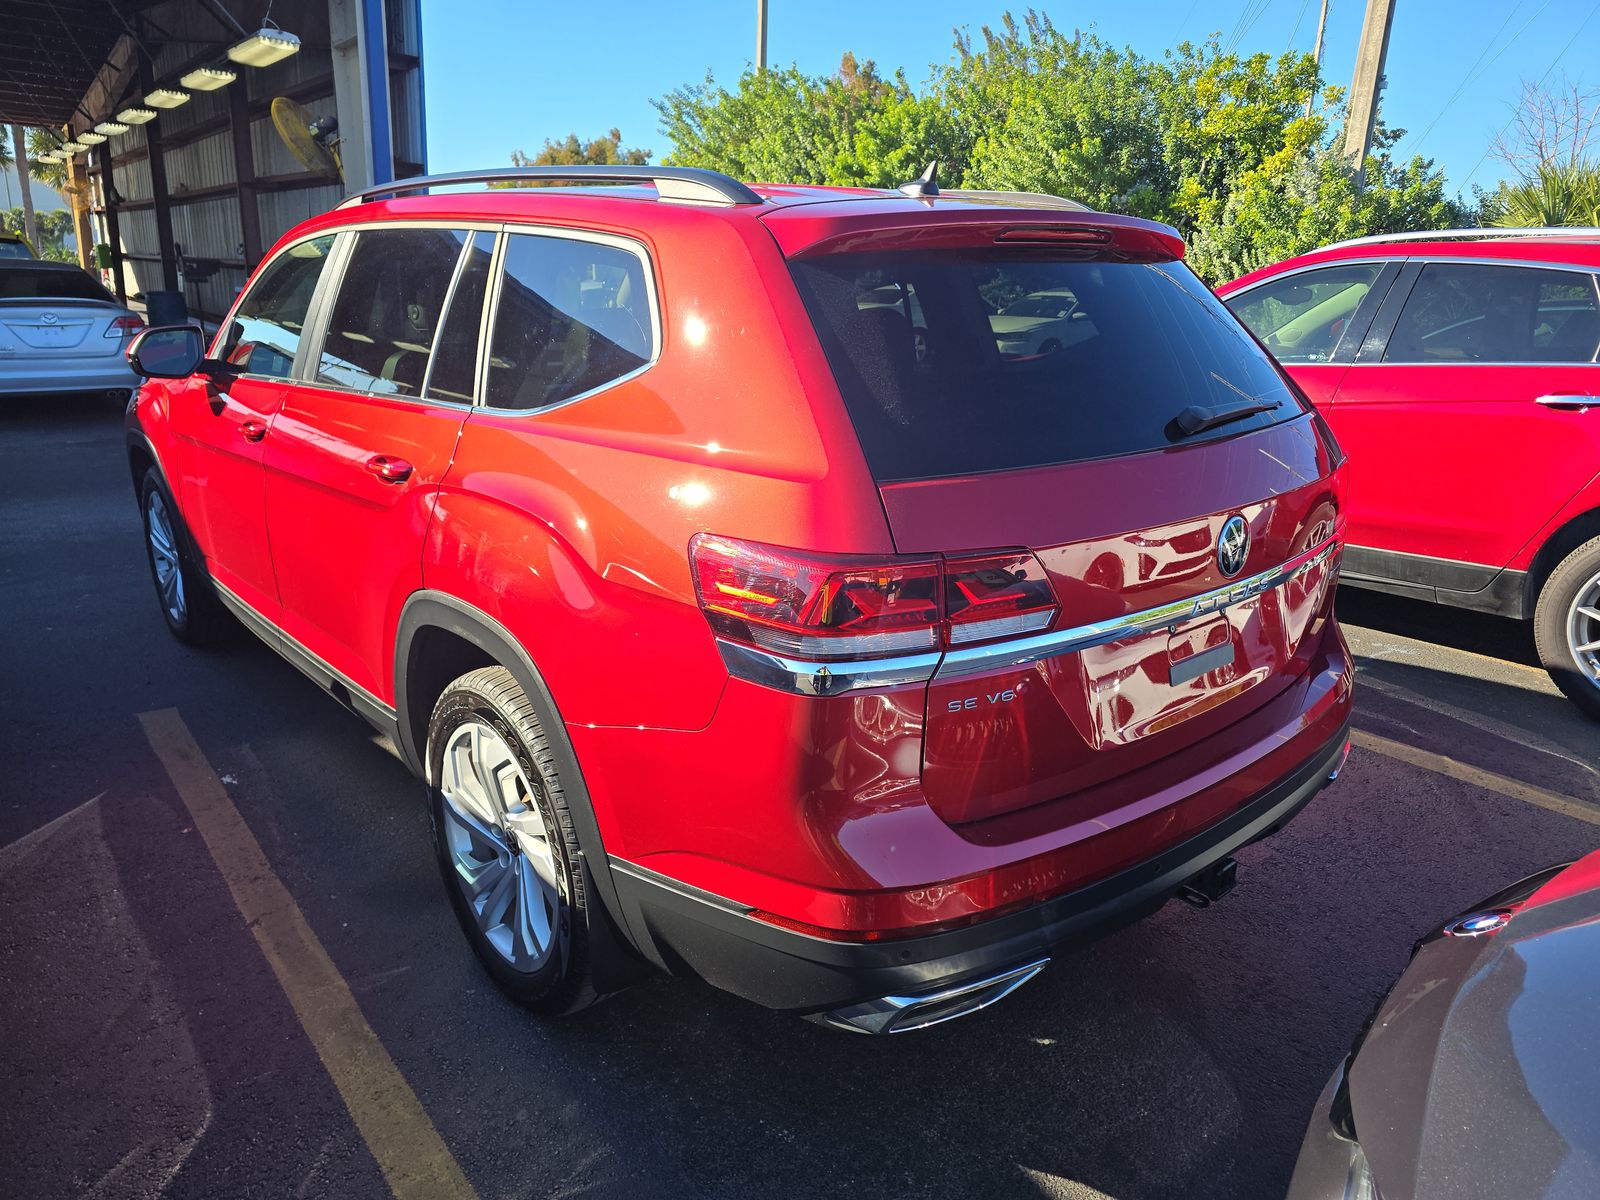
1301,16
1553,63
1474,73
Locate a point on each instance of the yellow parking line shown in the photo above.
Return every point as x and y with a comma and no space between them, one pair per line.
413,1157
1478,777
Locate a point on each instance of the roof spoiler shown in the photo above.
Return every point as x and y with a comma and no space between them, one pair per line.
1085,234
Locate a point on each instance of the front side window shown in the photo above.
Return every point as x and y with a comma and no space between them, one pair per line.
381,327
573,315
265,333
1471,312
1301,318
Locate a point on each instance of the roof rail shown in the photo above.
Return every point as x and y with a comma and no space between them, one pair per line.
1032,199
685,185
1444,235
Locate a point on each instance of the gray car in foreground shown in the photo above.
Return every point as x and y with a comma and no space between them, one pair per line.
1479,1074
61,331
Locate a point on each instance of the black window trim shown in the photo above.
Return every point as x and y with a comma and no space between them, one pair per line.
1377,342
618,241
1351,340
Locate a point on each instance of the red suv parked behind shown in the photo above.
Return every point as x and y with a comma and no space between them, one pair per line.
1458,369
757,600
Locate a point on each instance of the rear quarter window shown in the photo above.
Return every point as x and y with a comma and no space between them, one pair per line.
956,364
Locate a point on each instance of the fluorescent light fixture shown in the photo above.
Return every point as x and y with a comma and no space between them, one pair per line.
264,48
136,116
166,98
91,138
208,79
111,127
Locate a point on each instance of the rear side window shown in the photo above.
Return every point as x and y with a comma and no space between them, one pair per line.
954,365
382,325
31,283
265,333
572,316
1302,317
1470,312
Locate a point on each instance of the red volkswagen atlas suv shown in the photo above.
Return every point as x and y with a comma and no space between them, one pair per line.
1461,370
752,603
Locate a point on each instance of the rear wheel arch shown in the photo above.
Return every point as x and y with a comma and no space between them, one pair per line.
1556,547
439,639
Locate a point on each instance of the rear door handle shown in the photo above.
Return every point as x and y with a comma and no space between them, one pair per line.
390,470
253,431
1575,403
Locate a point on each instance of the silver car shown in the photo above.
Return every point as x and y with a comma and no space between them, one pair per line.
61,331
1479,1074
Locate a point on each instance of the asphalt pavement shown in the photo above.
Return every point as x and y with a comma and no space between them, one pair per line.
151,1046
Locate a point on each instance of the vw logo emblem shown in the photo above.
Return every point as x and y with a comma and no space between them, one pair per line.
48,318
1233,545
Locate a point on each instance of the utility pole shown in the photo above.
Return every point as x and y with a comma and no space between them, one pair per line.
761,35
1366,86
1316,55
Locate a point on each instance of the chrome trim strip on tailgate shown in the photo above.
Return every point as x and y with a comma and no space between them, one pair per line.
807,678
1022,651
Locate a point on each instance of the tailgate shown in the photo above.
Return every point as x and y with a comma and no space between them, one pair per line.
1155,648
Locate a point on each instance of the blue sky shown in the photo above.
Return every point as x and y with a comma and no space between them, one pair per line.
513,74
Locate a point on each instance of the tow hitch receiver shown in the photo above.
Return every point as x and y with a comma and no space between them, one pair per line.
1210,885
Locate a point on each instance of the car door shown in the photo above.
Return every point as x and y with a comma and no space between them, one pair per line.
222,423
360,444
1313,319
1464,418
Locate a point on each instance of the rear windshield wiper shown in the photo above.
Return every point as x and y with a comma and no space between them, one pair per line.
1197,419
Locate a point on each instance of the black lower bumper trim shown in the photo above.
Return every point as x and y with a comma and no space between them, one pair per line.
694,932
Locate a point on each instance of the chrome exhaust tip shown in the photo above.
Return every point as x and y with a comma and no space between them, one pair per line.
902,1014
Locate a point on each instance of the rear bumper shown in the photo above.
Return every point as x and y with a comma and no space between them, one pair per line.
717,939
96,374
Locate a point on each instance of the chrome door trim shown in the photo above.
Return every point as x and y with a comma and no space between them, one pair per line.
1558,401
296,654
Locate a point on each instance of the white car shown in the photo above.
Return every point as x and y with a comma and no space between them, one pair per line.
61,331
1040,323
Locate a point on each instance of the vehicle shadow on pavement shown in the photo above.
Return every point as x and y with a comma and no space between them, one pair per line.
1460,628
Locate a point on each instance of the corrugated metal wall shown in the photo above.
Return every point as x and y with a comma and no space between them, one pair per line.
208,227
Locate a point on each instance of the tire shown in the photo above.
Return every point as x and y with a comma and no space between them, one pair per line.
184,594
504,840
1566,626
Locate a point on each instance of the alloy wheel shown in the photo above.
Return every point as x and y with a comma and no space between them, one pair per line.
500,848
164,558
1583,630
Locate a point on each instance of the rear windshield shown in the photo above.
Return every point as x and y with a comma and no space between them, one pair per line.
955,365
30,283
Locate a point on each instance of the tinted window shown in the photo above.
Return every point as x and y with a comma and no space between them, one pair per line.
1301,317
1467,312
13,249
381,325
267,328
572,316
1023,361
31,282
455,358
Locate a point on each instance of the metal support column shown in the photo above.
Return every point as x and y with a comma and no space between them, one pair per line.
109,197
161,202
244,171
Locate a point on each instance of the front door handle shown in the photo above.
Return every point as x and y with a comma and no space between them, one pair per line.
253,431
1574,403
390,470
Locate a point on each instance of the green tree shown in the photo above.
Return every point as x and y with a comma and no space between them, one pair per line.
1554,194
604,151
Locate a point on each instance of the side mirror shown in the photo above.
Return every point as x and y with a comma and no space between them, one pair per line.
167,352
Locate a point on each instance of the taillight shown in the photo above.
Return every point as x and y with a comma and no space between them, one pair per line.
835,608
125,327
997,596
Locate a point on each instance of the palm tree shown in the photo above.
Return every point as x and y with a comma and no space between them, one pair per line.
1556,194
5,164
